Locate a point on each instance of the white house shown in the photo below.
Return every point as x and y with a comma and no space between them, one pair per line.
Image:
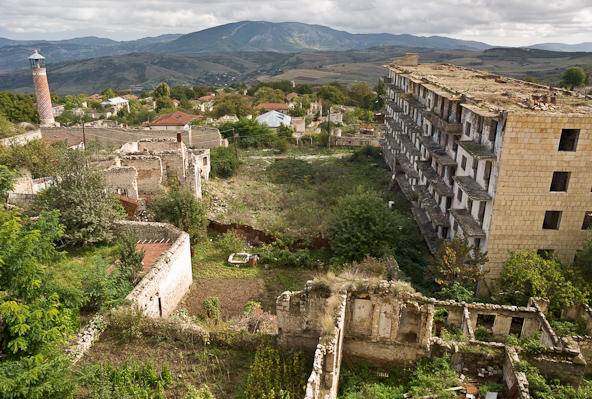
274,119
116,104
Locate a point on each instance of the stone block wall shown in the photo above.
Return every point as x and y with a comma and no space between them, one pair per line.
122,180
150,172
528,159
160,144
21,139
162,288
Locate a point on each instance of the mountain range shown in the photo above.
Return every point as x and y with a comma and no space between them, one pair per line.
254,49
285,37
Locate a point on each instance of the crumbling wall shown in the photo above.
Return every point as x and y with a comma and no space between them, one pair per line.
122,180
516,381
160,145
174,165
162,288
150,172
323,381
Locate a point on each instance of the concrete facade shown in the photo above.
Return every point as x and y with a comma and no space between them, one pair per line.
478,154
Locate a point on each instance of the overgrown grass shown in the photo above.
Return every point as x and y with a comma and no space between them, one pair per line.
430,378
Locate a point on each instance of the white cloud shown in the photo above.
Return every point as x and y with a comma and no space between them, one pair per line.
509,22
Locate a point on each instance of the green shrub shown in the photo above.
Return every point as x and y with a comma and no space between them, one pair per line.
126,322
361,225
483,334
211,307
367,152
251,306
201,393
225,162
274,375
130,380
277,255
231,242
180,207
130,260
567,328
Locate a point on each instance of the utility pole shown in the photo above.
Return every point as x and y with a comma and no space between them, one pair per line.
84,143
235,139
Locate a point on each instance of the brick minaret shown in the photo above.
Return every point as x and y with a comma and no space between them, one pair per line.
41,89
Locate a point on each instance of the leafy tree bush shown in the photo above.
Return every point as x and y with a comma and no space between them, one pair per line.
35,324
527,274
7,180
573,77
162,90
456,291
86,212
179,206
269,95
18,107
40,158
108,93
275,375
457,261
211,307
232,104
361,225
7,128
130,380
231,242
251,133
130,259
225,162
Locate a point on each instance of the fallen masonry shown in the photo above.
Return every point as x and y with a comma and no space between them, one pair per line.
388,324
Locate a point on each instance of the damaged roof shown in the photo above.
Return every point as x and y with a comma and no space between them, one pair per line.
493,93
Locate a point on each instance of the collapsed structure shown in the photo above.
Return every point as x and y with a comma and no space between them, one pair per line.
500,162
142,168
388,324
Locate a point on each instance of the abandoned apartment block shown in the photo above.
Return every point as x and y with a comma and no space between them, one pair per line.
500,162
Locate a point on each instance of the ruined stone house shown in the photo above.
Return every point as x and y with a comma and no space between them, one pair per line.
144,167
500,162
387,324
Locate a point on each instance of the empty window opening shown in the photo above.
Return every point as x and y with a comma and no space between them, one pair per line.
552,220
516,326
481,213
546,253
468,129
159,307
463,162
587,224
459,195
569,139
560,181
484,327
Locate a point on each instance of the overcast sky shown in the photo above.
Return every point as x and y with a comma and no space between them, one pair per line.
498,22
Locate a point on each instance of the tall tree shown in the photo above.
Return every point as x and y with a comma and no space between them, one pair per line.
573,77
457,261
79,193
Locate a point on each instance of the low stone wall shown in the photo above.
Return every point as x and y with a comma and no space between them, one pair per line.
516,381
21,139
169,279
86,337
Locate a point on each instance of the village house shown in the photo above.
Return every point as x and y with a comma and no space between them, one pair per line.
502,163
279,107
174,121
206,103
274,119
116,104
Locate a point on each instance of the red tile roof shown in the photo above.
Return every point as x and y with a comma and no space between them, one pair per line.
177,118
272,106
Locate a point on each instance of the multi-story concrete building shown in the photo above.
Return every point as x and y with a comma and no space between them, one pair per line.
503,163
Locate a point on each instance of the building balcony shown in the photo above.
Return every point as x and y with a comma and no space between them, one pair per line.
407,168
442,124
387,79
426,228
434,179
476,150
467,223
473,190
409,146
427,202
442,157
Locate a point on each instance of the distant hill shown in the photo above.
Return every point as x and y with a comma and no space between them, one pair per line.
286,37
586,47
294,37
